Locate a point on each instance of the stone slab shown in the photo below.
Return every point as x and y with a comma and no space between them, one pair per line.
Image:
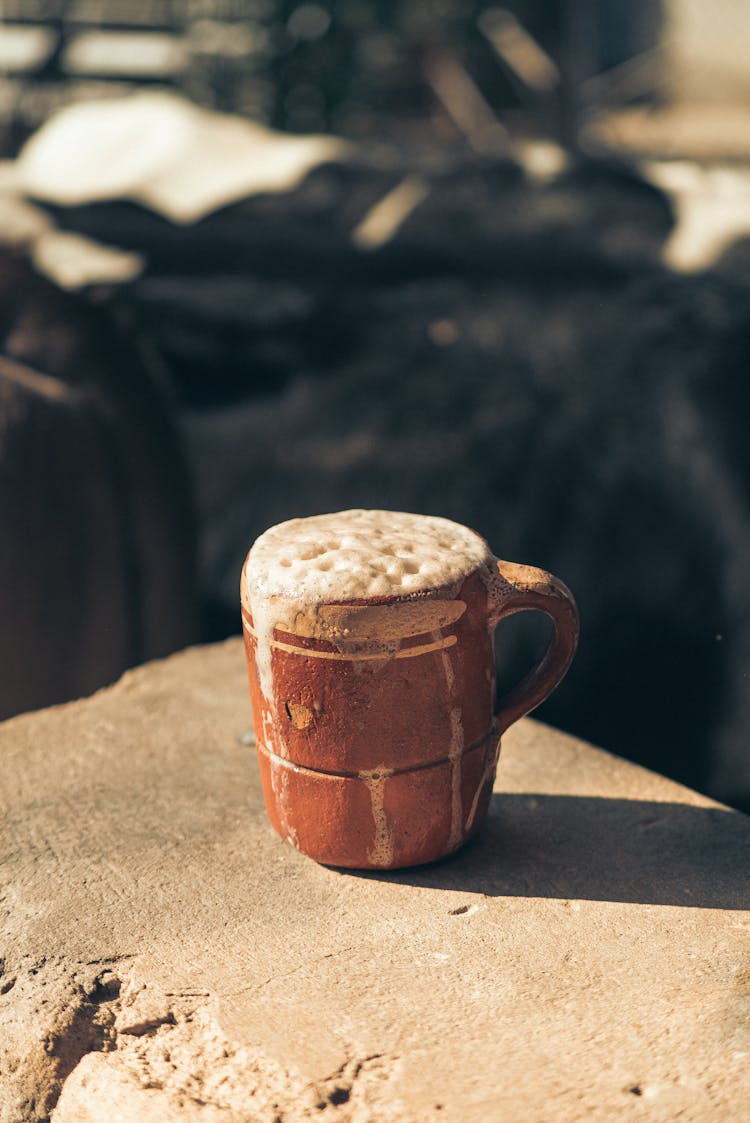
167,957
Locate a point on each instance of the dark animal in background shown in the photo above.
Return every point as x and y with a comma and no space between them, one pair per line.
96,528
589,427
516,357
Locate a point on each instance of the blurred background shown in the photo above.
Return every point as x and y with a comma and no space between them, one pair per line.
266,258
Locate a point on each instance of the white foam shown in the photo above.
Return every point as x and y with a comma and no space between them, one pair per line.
301,564
352,555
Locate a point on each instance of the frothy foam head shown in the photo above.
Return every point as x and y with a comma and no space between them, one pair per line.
351,555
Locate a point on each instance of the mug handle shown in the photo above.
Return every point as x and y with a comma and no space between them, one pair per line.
522,587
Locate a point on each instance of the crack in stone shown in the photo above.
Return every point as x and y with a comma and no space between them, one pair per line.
341,1086
191,1062
86,1025
148,1026
304,966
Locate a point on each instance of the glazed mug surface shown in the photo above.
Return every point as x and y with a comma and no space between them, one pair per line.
376,726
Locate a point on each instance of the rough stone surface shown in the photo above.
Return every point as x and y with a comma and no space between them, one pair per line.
166,957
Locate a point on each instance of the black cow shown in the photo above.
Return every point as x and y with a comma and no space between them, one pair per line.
96,527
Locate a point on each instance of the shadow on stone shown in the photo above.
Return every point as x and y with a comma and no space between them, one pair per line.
589,848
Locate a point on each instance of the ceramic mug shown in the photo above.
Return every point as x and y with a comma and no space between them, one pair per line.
379,737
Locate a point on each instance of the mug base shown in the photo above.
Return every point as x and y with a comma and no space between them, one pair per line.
380,820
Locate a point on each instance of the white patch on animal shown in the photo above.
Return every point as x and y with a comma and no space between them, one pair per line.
388,215
74,261
543,161
712,210
161,150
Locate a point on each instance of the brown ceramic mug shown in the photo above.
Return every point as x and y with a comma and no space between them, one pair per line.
376,727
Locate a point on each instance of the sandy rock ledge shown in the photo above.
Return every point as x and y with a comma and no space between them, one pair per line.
164,956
